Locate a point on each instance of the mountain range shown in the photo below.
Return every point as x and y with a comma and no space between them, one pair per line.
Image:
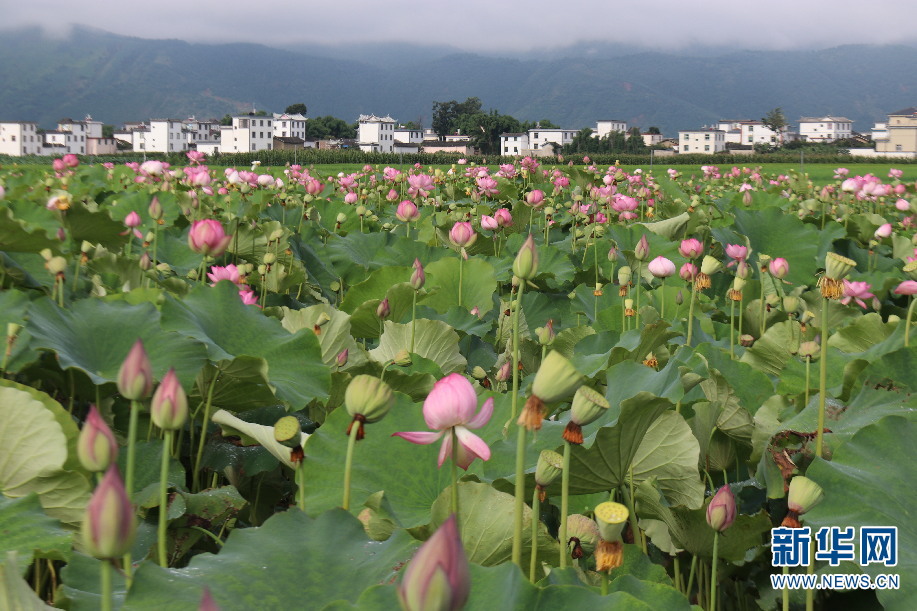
118,78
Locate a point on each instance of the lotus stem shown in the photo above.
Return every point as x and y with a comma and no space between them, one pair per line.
716,546
808,367
662,299
810,570
461,278
786,591
301,485
200,445
907,322
691,314
822,376
455,499
348,463
105,578
129,476
536,520
732,329
639,285
413,319
564,504
691,574
164,497
520,440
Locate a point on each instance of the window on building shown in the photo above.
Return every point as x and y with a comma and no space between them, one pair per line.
536,146
684,147
897,147
706,136
706,147
13,138
536,134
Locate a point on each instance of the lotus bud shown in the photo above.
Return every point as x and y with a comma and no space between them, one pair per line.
503,374
642,250
583,533
109,527
367,399
587,406
779,268
135,378
679,298
207,603
525,266
145,261
155,209
383,309
402,358
438,576
883,231
743,270
341,358
549,467
546,334
96,446
478,373
613,254
169,408
721,512
418,278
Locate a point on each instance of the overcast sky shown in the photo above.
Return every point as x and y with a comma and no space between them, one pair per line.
487,25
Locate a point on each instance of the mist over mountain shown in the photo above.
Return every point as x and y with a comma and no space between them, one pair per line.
116,79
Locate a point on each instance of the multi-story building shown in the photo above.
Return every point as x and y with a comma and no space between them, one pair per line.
162,136
197,131
605,127
408,135
652,139
901,134
18,138
69,137
514,143
376,134
290,126
247,133
825,129
707,140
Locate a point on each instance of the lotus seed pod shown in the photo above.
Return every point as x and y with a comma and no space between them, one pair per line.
478,373
288,431
710,265
556,379
270,258
611,518
368,396
809,350
837,266
804,495
624,275
585,530
588,405
548,468
56,265
402,358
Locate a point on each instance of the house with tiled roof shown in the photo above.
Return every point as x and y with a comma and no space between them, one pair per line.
825,129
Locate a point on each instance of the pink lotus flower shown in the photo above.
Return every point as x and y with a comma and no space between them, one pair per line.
229,272
438,576
350,198
856,291
248,297
450,407
883,231
420,184
462,234
109,525
195,157
96,446
908,287
488,222
407,212
688,272
487,186
207,237
70,160
691,248
721,512
736,252
779,267
535,197
892,173
661,267
503,217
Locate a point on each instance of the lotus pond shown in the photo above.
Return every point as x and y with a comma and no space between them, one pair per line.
485,388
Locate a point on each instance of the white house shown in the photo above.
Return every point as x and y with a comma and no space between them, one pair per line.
879,130
376,134
408,135
247,133
825,129
18,138
604,127
197,131
652,139
542,138
514,143
69,137
290,126
706,140
162,136
755,132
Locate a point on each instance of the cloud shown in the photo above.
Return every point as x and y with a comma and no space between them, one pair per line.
484,25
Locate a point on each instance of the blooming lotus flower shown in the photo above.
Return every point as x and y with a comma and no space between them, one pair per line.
661,267
450,407
856,291
736,252
691,248
58,165
152,168
688,272
721,512
908,287
207,237
109,527
248,297
437,577
420,185
229,272
96,445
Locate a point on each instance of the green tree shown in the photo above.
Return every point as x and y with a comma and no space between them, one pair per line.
446,114
108,131
543,124
485,129
296,109
775,121
323,128
653,130
226,120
